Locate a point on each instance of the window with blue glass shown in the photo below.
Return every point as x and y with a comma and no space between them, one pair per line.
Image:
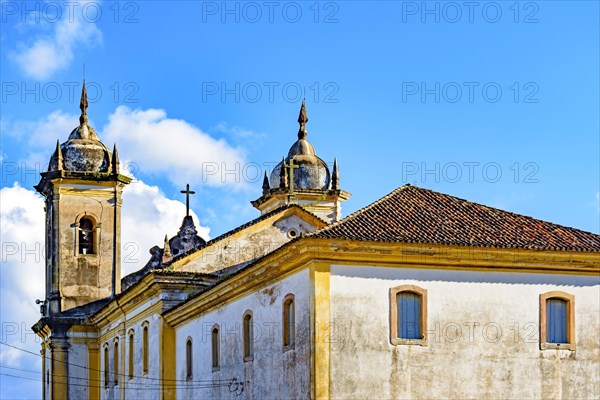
408,315
557,321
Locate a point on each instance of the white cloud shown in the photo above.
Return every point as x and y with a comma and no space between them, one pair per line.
174,147
147,215
21,273
54,51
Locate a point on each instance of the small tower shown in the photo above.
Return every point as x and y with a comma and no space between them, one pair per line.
82,190
304,179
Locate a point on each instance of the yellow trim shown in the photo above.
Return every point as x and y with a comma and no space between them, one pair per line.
199,255
287,261
59,368
94,382
155,309
320,297
168,360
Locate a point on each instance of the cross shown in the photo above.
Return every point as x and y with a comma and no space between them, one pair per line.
291,166
187,192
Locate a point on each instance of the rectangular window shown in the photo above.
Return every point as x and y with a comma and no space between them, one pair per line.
557,321
289,324
106,366
408,315
130,367
188,360
116,365
215,348
409,318
248,336
145,350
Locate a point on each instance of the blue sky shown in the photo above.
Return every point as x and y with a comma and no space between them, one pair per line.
497,104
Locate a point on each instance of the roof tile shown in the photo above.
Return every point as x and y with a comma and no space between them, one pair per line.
415,215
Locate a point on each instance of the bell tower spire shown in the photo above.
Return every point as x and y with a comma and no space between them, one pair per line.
83,105
302,120
304,179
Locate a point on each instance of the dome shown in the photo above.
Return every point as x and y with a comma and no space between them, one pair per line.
83,152
310,172
85,155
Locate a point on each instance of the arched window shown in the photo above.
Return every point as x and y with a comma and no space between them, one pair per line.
408,315
116,362
106,366
188,360
145,349
215,348
248,331
289,324
131,355
87,232
557,321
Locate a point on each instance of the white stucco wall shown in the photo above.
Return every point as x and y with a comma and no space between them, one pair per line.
143,385
273,373
240,249
483,336
78,371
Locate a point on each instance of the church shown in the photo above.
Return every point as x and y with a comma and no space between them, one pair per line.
416,295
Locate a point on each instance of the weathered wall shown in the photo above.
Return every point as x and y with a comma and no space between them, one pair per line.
247,245
273,373
142,385
78,372
80,279
483,337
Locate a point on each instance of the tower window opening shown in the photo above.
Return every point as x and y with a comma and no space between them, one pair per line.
86,236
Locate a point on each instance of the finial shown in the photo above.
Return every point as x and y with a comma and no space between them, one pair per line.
59,159
283,175
167,256
302,120
83,105
335,177
265,185
115,160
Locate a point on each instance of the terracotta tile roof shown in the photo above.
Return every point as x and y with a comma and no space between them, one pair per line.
414,215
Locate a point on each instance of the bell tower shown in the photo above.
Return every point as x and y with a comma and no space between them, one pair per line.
82,190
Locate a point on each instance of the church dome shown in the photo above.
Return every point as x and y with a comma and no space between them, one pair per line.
310,172
83,151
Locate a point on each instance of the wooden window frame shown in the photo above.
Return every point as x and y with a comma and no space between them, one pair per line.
288,335
215,347
570,299
394,339
248,336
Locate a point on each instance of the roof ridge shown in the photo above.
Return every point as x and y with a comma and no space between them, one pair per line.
414,214
508,212
247,225
361,210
